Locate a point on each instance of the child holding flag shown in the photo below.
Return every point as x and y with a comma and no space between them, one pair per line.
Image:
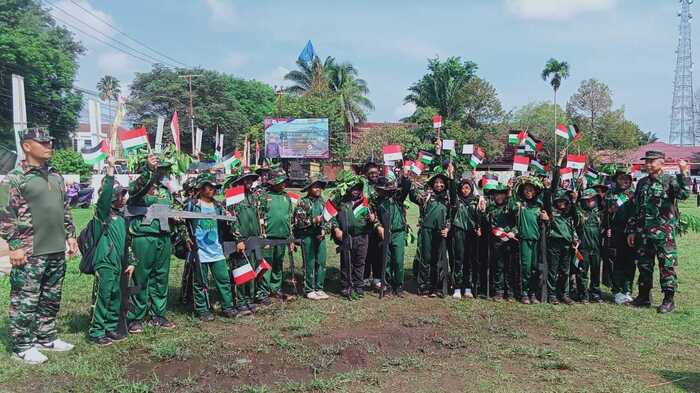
466,216
561,242
589,231
309,228
503,233
618,211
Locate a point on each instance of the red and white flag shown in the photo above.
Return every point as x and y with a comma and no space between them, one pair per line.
243,274
417,167
294,197
329,211
501,234
133,139
437,121
234,195
566,173
575,161
175,129
392,153
521,163
263,266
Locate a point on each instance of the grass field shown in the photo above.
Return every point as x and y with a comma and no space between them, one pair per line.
405,345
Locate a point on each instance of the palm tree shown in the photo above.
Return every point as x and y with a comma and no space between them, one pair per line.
109,89
311,77
351,90
555,71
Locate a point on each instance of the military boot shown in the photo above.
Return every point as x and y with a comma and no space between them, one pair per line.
667,305
643,299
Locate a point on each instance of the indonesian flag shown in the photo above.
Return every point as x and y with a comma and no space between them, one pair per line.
566,173
294,197
329,210
392,153
425,157
232,160
516,137
417,167
133,139
234,195
579,256
477,157
501,234
96,154
575,161
243,274
636,170
361,209
537,166
175,129
437,121
521,163
568,132
263,266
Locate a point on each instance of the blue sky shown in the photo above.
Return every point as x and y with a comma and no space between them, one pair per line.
628,44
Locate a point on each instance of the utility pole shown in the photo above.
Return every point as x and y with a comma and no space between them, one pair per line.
191,108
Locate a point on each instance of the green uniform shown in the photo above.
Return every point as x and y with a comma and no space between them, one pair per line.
313,244
373,261
654,220
560,239
466,221
109,262
277,212
246,225
618,210
434,217
588,226
359,226
34,217
151,247
392,209
506,269
527,224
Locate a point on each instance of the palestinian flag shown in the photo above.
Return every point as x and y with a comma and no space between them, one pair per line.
516,137
243,274
133,139
477,157
234,195
500,234
425,157
520,163
389,173
622,198
392,153
537,166
537,143
592,175
329,210
263,266
437,121
294,197
96,154
575,161
489,184
362,209
568,132
417,167
566,173
232,160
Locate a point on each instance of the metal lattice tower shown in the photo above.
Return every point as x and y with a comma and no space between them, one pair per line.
683,130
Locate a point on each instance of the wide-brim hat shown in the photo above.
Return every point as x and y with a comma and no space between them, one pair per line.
385,184
620,172
207,178
562,195
239,175
521,181
589,193
277,177
440,175
316,180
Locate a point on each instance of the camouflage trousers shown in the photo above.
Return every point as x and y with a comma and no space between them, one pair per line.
35,298
664,249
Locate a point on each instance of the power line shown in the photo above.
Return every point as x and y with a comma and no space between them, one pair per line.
126,35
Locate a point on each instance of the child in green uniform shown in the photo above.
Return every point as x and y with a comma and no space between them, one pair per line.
209,250
109,261
246,226
618,211
561,241
391,221
465,232
309,228
588,226
503,233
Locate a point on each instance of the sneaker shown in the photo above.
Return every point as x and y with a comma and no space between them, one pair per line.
162,323
457,294
30,356
243,310
100,341
56,345
629,297
322,295
206,317
468,294
135,327
498,298
360,292
116,336
376,283
312,296
553,300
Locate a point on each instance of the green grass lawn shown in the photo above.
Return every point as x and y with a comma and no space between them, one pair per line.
411,345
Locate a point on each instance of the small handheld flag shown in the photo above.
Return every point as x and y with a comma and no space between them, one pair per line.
448,144
329,211
294,197
622,198
361,209
575,161
243,274
392,153
566,173
263,266
537,166
96,154
521,163
133,139
175,129
234,195
477,157
425,157
417,168
437,121
570,132
232,160
467,149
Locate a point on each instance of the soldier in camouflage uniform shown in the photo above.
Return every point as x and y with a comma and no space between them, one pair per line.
36,223
652,227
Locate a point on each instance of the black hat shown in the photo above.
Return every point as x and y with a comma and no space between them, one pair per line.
653,155
384,184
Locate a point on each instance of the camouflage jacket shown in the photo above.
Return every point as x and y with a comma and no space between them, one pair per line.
654,209
304,213
15,216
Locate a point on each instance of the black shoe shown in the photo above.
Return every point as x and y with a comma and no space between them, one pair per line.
346,293
206,317
230,312
266,301
252,308
553,300
101,341
567,300
243,310
399,292
643,299
667,305
135,327
162,322
116,336
360,292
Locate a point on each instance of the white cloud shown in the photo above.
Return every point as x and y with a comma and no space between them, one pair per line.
556,9
222,15
118,65
88,19
236,60
404,110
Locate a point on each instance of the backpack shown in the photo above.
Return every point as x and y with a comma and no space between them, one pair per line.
87,243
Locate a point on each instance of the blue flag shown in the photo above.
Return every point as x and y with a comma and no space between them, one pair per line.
307,54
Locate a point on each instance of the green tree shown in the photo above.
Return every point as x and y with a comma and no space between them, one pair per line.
591,101
33,46
311,77
536,118
352,91
480,104
162,91
68,161
442,87
257,99
555,71
369,144
109,89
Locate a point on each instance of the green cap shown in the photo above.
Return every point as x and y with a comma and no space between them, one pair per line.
277,176
207,178
589,193
37,134
562,195
318,179
653,155
189,184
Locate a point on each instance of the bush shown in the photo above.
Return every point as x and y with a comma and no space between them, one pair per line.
71,162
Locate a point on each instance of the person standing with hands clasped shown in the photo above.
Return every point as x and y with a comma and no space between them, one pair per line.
38,227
